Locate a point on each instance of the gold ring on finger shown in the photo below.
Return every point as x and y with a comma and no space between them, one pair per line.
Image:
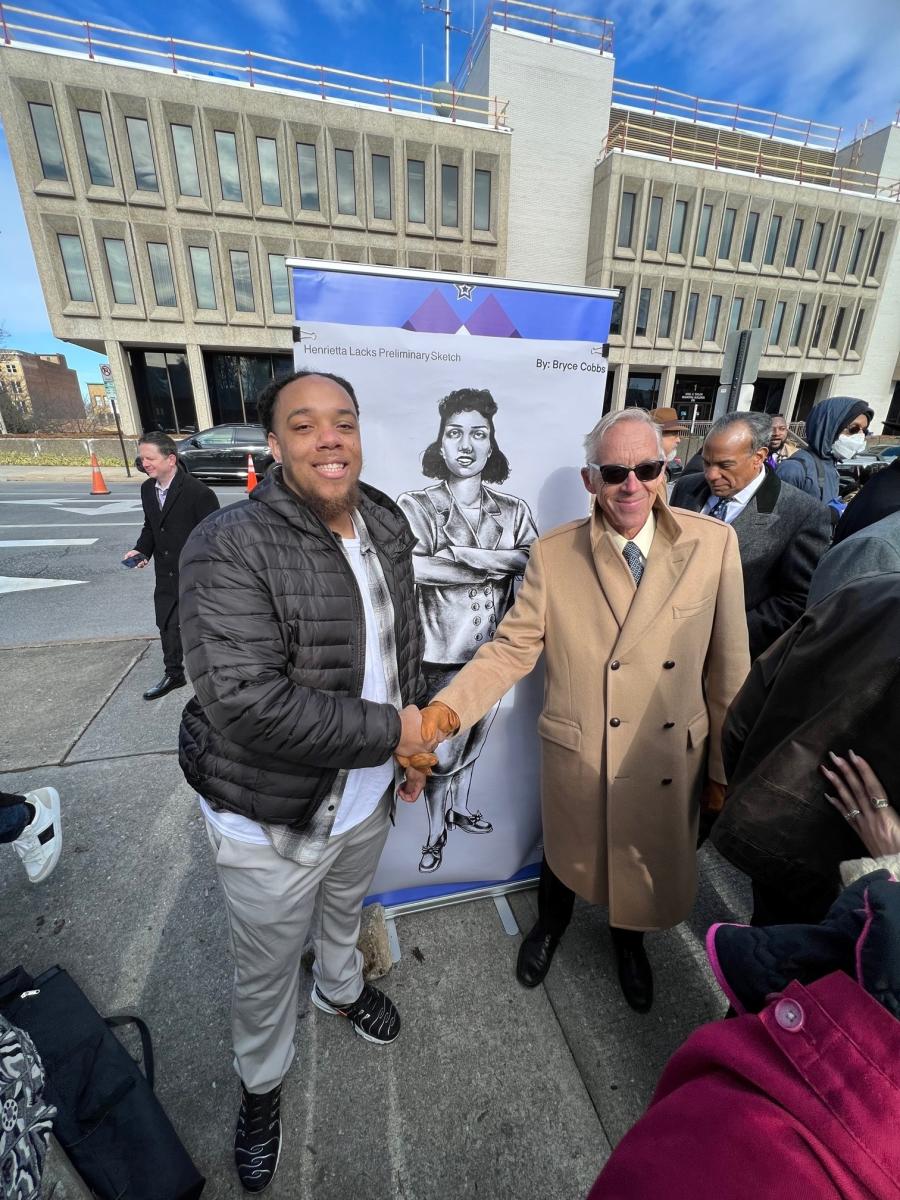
880,802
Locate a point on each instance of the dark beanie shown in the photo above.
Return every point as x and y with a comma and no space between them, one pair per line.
859,409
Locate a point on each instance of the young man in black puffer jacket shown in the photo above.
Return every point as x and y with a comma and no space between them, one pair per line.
300,626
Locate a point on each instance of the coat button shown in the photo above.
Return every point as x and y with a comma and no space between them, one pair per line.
614,666
789,1015
476,606
476,620
668,665
665,782
473,592
669,725
615,722
477,637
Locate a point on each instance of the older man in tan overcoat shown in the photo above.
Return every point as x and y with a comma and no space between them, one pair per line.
639,610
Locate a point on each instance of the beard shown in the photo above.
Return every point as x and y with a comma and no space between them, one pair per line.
327,508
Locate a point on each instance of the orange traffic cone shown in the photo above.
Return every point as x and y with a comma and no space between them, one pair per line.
98,486
251,474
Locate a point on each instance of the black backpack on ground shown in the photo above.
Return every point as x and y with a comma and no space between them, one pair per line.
109,1122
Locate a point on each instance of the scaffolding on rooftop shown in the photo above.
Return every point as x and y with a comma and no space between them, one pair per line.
247,68
652,133
551,24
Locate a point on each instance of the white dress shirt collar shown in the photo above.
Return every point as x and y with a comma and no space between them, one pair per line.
739,501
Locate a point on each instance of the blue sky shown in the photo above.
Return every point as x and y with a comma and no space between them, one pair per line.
828,60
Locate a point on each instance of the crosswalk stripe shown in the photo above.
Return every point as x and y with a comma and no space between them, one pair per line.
13,584
23,542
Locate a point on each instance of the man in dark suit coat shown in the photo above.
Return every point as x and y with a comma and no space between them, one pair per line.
174,503
781,531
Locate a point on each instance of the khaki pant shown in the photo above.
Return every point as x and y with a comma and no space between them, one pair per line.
272,904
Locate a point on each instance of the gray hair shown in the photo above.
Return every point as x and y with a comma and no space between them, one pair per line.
758,425
603,426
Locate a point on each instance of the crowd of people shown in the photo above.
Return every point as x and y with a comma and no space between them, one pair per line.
719,662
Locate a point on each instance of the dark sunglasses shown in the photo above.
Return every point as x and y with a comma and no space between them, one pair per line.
615,474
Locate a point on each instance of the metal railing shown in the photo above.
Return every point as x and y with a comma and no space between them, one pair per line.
726,114
703,146
553,24
249,68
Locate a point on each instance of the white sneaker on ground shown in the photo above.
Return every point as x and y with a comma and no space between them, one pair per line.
39,843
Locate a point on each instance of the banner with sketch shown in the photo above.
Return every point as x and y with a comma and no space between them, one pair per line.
474,425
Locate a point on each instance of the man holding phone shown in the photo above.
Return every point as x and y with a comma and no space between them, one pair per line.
174,503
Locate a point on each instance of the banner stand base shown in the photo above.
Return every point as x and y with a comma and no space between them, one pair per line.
425,903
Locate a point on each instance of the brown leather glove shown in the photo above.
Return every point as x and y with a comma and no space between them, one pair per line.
713,798
419,762
438,720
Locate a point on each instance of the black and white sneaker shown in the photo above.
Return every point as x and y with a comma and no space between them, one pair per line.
257,1139
372,1016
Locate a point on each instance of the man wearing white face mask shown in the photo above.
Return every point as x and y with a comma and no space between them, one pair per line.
835,431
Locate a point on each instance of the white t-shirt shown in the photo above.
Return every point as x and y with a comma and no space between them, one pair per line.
364,786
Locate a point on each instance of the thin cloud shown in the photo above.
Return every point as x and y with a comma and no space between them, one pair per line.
795,56
342,11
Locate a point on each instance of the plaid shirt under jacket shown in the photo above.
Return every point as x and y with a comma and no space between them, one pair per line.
306,846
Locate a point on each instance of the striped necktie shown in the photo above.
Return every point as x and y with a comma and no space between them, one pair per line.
635,560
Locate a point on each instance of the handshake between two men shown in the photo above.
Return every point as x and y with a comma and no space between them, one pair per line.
421,730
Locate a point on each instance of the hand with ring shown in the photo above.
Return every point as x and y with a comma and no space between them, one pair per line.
861,800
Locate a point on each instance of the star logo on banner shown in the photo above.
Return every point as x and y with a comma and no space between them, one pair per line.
464,290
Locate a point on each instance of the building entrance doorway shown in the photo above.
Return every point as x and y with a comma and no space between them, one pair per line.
162,385
807,393
694,397
767,396
235,381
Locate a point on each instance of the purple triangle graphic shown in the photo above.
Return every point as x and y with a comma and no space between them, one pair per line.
490,320
434,316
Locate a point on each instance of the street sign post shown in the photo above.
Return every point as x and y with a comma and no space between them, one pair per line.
740,366
110,388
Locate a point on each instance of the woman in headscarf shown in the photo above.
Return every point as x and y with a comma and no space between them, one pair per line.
473,542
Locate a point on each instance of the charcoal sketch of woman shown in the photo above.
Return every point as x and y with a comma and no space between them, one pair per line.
473,542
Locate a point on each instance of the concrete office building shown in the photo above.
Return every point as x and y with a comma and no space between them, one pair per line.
163,195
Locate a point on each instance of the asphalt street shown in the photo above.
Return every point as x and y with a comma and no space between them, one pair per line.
61,573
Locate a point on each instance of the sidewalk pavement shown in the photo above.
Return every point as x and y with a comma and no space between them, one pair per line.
491,1089
38,474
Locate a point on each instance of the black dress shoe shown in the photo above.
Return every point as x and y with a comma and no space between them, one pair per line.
468,822
635,976
535,956
167,684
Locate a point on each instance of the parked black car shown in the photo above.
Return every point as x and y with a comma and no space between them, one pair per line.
221,452
854,473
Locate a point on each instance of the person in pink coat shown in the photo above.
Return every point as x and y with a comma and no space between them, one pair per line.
800,1095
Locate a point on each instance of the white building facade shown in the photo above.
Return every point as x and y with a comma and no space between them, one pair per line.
162,198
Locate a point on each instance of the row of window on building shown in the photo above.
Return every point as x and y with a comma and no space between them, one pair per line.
231,185
163,278
726,243
780,336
